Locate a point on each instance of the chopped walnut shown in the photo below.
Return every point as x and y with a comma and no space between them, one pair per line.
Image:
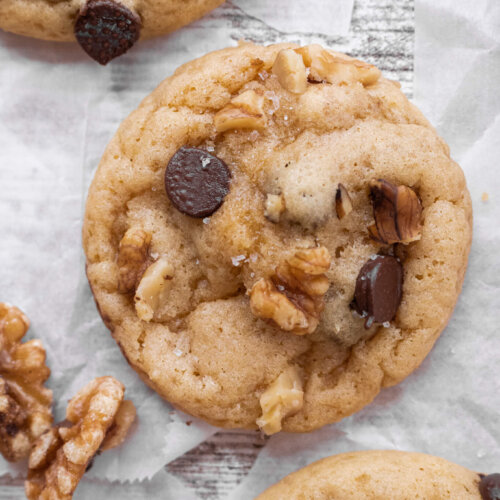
274,207
325,67
132,258
343,202
152,284
397,211
25,404
283,398
290,70
244,111
61,456
293,297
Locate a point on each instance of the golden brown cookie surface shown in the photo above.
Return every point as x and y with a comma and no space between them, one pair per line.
247,311
370,475
104,28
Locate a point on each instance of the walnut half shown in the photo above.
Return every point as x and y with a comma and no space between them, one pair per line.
283,398
293,297
397,211
290,70
243,111
132,258
326,67
61,456
25,404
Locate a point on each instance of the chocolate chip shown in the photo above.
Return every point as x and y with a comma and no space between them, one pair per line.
106,29
379,287
489,487
196,182
11,429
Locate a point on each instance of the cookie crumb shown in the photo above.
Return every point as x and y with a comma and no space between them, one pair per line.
485,197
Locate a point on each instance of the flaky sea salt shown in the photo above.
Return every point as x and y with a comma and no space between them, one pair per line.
238,260
206,220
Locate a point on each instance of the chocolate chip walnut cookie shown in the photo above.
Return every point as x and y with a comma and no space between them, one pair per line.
393,475
105,29
274,235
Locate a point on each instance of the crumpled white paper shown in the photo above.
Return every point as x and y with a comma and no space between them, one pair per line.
57,112
450,406
321,16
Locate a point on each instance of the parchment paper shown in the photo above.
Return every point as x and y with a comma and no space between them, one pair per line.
450,406
57,112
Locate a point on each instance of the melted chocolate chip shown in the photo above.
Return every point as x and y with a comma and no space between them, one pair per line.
489,487
11,429
105,29
379,287
196,182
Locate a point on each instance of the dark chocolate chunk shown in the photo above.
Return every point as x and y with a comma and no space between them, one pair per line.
379,287
11,429
196,181
489,487
106,29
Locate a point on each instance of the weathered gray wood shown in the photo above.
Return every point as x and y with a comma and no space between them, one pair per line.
382,32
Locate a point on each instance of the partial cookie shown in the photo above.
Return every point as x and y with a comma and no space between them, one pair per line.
97,419
275,235
388,475
25,403
105,29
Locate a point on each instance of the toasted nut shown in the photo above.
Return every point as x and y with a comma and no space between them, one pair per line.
118,431
61,456
293,297
325,67
132,258
274,207
267,302
148,293
25,404
244,111
343,202
290,71
397,211
283,398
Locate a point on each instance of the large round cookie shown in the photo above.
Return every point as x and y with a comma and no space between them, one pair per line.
105,29
280,308
387,475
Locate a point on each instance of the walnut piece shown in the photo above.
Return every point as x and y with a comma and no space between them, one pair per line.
325,67
132,258
244,111
293,297
274,207
25,404
283,398
152,284
343,202
397,211
61,456
290,70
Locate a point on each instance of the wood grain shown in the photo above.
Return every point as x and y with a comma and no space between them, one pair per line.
382,32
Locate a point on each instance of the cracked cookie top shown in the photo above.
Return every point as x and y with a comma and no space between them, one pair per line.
274,235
